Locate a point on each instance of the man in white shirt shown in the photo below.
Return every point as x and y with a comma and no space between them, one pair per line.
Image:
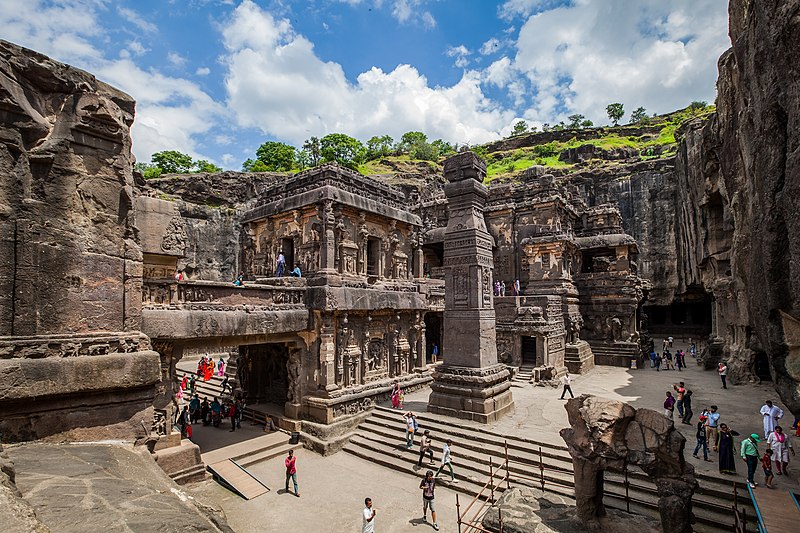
567,381
369,517
771,414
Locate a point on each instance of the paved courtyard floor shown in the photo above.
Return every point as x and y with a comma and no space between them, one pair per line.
333,488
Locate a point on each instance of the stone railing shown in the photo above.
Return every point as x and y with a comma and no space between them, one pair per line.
211,295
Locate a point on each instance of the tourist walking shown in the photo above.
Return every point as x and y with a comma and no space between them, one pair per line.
669,405
221,367
411,427
183,421
779,443
681,390
446,461
658,361
712,427
428,486
766,464
291,472
749,453
567,381
727,464
516,288
723,373
435,353
194,409
670,339
205,409
425,447
397,396
502,288
700,434
771,414
281,264
226,385
687,408
368,525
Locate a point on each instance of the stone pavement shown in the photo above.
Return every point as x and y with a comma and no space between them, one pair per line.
104,487
333,488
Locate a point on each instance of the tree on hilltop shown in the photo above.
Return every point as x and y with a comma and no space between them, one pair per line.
276,156
378,147
520,128
173,162
343,149
615,112
254,165
443,147
409,140
639,116
575,121
314,152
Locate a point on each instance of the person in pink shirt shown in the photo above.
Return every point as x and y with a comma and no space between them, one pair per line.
291,472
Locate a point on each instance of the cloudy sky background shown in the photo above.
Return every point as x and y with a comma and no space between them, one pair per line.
216,78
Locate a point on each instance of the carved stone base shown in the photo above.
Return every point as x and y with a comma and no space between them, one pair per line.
579,357
479,394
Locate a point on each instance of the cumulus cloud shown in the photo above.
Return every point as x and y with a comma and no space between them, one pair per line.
277,83
137,48
461,53
176,59
406,11
490,47
203,71
580,57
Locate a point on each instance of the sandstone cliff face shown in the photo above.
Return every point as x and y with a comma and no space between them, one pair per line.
68,260
758,125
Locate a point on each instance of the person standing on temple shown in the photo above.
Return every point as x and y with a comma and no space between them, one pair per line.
702,441
567,382
232,410
194,409
281,265
779,443
772,414
428,486
446,461
291,472
681,390
411,428
687,408
712,427
516,288
669,405
502,288
425,447
435,353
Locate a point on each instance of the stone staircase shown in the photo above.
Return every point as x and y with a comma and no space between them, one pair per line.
252,451
210,389
523,375
381,440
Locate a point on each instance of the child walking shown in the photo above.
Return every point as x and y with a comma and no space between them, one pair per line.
766,463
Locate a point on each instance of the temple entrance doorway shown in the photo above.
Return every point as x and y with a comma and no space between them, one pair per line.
287,246
265,374
529,351
433,335
373,252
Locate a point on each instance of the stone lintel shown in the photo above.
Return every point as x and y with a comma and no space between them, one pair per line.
464,166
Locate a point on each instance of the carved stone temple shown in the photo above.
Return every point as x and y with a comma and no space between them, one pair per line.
471,383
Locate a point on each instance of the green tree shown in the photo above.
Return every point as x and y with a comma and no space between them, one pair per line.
639,116
575,121
254,165
312,146
425,152
148,170
520,128
204,166
615,112
546,127
409,140
303,159
444,148
343,149
172,162
276,156
698,105
378,147
587,124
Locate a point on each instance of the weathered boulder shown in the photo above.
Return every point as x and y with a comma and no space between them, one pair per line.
611,434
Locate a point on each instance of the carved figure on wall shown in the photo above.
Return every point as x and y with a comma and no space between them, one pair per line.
175,237
349,263
574,329
248,249
460,285
614,332
487,286
375,359
341,348
293,373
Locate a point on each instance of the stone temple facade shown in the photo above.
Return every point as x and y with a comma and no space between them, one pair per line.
92,306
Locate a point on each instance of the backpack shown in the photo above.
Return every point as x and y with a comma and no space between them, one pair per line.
416,424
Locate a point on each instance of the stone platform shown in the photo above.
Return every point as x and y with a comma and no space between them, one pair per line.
479,394
578,357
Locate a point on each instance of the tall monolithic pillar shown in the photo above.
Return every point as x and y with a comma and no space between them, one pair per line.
471,383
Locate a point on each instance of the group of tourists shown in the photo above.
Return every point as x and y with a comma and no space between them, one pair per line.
666,360
206,367
719,436
280,267
500,288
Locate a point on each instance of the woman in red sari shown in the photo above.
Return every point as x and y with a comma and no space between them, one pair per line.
208,370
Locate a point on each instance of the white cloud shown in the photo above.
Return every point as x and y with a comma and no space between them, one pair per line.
137,20
407,11
137,48
203,71
228,160
277,83
461,53
500,73
490,47
176,59
660,55
524,8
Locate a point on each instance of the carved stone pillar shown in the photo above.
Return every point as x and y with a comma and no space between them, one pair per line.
471,384
327,249
327,354
421,344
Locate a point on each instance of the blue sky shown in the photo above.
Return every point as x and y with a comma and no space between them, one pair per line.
216,78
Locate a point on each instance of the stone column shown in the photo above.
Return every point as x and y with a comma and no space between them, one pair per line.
327,247
471,384
327,354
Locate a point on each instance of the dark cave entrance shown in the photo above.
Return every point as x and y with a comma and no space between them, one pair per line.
265,373
688,314
761,366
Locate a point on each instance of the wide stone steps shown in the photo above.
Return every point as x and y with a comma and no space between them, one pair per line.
263,454
381,439
210,389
